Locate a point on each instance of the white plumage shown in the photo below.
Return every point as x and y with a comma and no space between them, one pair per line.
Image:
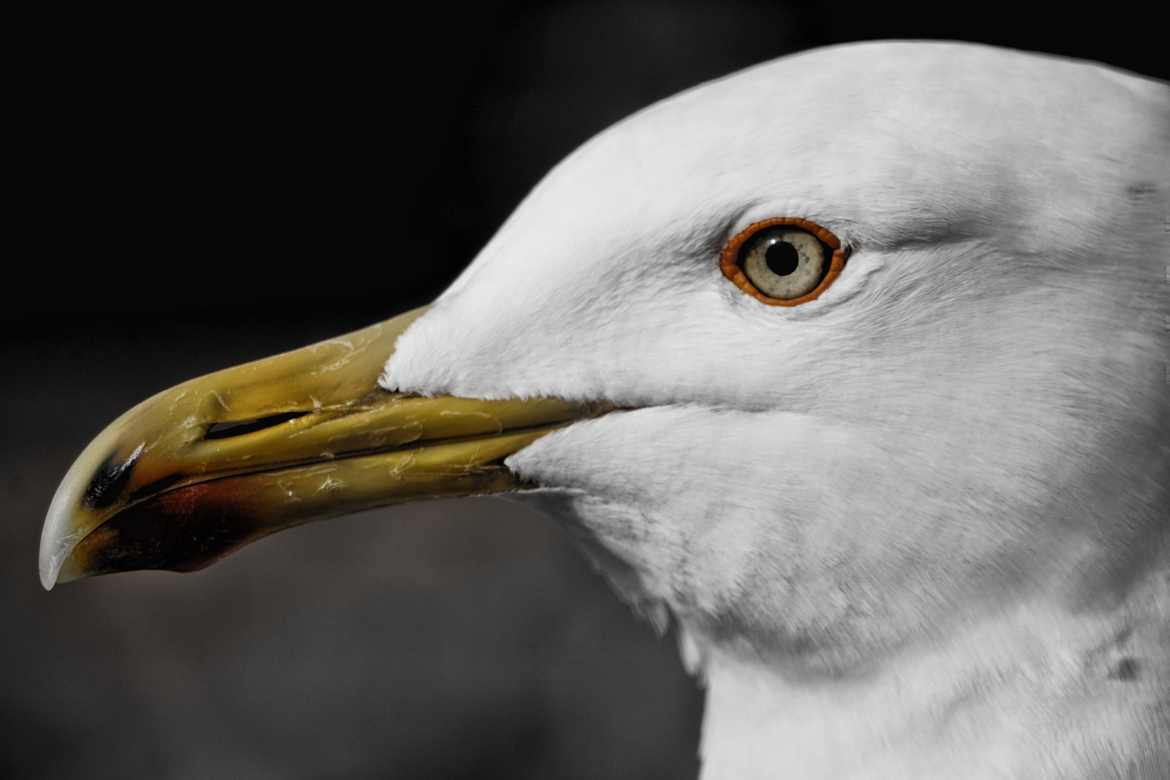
916,527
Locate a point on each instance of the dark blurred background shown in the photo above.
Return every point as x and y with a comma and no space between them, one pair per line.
195,188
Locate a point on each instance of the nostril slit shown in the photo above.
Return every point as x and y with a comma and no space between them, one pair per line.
226,430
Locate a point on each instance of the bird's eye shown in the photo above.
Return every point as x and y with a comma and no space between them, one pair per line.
783,261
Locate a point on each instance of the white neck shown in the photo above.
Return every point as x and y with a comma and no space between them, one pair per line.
1032,692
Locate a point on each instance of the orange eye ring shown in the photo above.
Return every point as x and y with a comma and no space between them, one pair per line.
730,264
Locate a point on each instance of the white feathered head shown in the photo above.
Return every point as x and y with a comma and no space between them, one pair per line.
969,401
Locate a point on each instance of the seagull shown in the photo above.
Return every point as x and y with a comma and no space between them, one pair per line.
852,364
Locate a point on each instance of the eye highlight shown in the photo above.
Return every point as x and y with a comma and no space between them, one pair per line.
784,261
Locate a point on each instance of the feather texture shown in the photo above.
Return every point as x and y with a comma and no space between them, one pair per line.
917,526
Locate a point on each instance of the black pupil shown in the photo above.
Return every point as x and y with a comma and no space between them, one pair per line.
782,258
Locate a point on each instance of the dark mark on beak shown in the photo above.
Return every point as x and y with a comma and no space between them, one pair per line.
110,481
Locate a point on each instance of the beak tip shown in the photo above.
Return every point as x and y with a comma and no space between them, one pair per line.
56,545
48,572
54,552
58,567
61,534
49,560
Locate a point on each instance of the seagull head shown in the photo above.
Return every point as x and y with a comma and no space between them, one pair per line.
817,357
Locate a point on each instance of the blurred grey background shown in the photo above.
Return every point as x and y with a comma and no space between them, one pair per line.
200,188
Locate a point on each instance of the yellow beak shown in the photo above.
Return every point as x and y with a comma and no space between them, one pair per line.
210,465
